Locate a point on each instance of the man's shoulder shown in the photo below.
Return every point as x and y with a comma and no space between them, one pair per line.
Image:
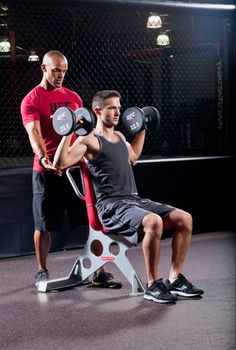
72,93
69,91
32,94
88,139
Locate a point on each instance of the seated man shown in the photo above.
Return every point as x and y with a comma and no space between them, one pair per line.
119,207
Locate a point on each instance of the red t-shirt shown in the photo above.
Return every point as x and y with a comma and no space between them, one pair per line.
40,104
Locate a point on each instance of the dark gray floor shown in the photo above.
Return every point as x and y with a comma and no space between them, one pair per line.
87,318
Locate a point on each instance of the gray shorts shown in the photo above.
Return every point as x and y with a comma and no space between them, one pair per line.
124,215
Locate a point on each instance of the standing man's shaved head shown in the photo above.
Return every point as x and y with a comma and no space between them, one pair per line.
54,67
51,55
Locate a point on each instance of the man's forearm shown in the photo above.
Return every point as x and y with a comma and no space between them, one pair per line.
38,145
61,155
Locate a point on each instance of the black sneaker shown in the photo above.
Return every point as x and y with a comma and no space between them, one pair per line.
181,286
105,280
159,293
41,275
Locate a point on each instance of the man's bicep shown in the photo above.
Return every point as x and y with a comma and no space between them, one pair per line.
77,150
29,111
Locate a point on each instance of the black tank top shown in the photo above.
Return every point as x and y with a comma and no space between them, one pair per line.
111,170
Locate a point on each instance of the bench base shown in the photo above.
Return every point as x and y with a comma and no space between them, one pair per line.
114,248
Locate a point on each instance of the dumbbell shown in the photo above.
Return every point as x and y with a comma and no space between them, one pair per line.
135,119
65,121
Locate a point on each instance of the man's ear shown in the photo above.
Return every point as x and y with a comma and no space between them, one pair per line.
97,110
43,67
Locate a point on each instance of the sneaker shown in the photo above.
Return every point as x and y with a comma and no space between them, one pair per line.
159,293
41,275
105,280
181,286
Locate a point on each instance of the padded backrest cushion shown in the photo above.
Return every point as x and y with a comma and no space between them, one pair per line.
90,199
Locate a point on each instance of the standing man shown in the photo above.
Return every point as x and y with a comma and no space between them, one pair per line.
52,192
109,157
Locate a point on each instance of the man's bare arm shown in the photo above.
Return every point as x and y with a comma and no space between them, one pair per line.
67,155
35,137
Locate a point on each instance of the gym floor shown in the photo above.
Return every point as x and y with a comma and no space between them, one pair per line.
87,318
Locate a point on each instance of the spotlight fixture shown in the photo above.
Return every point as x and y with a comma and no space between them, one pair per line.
33,57
163,40
5,46
154,21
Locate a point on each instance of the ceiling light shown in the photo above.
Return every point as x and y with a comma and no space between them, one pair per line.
163,40
154,21
5,46
33,57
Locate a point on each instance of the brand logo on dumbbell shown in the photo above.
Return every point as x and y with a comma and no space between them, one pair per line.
130,116
61,116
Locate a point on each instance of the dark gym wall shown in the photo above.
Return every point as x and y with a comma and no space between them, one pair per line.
191,81
204,187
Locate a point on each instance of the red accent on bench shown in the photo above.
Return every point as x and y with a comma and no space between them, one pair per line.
90,199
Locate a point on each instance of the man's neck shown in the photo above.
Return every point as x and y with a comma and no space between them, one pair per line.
45,85
107,133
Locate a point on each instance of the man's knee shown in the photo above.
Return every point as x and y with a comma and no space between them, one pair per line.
184,222
152,223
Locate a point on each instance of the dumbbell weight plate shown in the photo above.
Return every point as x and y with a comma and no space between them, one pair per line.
133,119
88,119
152,118
64,121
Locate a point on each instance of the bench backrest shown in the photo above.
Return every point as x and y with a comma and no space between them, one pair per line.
88,194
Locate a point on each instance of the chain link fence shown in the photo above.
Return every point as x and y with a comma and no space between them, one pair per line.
110,47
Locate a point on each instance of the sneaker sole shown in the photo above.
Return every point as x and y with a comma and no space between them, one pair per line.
182,294
149,297
111,286
37,283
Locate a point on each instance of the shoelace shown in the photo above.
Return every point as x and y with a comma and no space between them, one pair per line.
109,276
42,273
160,286
186,283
